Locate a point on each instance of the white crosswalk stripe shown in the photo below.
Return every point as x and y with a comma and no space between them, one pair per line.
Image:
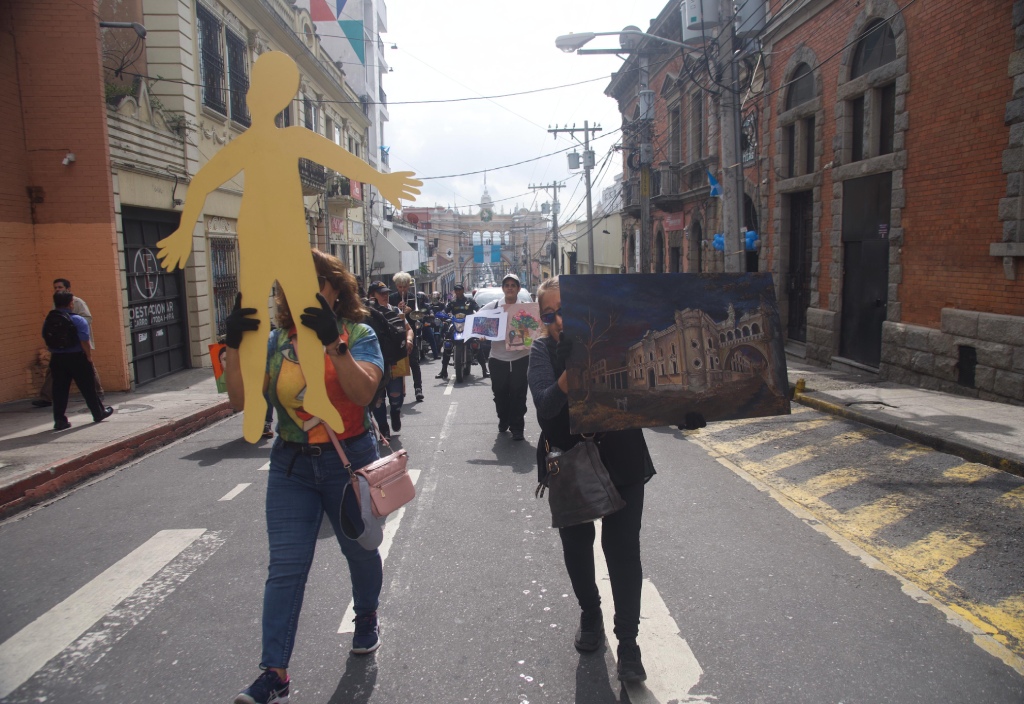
672,668
29,650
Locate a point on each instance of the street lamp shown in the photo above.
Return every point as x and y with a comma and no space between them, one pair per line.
732,217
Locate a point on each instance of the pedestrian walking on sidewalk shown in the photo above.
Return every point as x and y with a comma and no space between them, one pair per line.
508,370
67,337
307,477
78,307
625,454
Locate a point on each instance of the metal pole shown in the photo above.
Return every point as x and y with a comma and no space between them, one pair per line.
587,166
732,154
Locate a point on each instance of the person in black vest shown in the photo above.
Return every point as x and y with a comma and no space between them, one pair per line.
394,390
625,454
73,362
407,300
460,304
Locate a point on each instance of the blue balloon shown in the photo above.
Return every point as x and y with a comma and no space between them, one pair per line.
718,242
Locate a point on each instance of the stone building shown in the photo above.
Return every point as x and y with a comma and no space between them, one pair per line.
516,241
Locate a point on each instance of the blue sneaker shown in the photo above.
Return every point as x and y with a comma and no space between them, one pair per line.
367,635
267,689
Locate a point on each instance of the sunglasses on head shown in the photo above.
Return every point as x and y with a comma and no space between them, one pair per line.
548,318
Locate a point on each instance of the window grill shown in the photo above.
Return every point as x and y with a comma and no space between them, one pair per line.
238,78
212,60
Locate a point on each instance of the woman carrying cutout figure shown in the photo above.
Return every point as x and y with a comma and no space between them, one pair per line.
272,237
307,478
625,454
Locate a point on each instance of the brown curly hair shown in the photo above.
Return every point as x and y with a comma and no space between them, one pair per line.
348,306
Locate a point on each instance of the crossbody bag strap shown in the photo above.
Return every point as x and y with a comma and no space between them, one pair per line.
337,446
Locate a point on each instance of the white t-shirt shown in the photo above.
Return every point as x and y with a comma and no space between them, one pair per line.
498,349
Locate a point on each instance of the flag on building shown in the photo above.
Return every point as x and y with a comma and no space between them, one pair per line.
716,187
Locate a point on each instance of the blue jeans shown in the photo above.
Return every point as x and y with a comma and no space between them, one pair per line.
297,499
393,393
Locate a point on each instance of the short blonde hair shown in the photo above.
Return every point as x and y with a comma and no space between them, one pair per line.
545,286
402,278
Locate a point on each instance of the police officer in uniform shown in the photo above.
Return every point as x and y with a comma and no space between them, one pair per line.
459,304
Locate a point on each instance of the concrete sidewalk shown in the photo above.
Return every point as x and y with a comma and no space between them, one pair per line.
36,462
979,431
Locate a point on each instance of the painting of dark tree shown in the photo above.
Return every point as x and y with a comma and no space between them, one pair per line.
650,348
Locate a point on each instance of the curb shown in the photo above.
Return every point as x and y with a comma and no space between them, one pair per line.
49,481
969,453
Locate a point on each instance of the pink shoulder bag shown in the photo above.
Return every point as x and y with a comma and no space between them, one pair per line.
391,486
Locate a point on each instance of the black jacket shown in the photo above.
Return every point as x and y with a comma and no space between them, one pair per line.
623,452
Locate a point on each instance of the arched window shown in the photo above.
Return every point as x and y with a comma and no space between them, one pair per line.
801,87
755,328
746,331
876,47
728,335
798,129
721,337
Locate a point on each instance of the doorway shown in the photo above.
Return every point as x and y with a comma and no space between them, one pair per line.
156,300
798,278
866,204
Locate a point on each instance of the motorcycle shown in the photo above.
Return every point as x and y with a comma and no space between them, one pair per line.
462,351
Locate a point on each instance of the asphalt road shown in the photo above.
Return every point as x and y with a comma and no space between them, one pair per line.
146,585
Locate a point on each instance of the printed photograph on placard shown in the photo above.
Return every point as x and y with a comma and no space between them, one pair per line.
650,348
523,326
218,352
485,327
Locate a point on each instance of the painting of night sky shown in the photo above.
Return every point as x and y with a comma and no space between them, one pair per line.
650,348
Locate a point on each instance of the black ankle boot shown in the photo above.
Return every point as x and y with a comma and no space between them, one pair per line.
629,666
396,420
590,634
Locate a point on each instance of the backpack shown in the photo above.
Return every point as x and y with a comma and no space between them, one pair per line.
59,332
390,335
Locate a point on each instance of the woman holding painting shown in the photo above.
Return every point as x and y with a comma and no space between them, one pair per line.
629,465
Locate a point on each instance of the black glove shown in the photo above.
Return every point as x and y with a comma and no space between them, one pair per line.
693,421
238,323
564,349
322,321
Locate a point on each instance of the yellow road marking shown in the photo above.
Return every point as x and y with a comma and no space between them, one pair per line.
825,484
766,436
930,558
969,472
1014,498
803,454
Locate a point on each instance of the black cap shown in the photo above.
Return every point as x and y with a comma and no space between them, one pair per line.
458,287
378,287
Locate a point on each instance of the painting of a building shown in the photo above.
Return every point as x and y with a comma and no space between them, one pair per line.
652,348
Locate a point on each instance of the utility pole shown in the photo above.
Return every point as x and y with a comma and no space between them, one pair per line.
588,164
646,101
732,152
554,223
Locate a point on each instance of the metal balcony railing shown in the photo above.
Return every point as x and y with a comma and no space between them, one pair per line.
313,177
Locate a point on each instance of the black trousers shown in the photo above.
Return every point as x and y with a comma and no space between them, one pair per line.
73,366
414,365
620,540
508,382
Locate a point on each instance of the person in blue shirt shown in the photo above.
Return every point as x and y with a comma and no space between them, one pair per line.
74,363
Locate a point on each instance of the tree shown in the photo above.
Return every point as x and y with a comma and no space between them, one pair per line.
593,339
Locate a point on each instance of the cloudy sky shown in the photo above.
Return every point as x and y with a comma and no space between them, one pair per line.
456,49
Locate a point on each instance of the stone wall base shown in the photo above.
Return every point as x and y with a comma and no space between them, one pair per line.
931,359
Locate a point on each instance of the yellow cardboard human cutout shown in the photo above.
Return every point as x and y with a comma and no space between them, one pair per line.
272,237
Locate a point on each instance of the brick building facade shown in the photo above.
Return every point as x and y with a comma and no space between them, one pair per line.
883,161
56,219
